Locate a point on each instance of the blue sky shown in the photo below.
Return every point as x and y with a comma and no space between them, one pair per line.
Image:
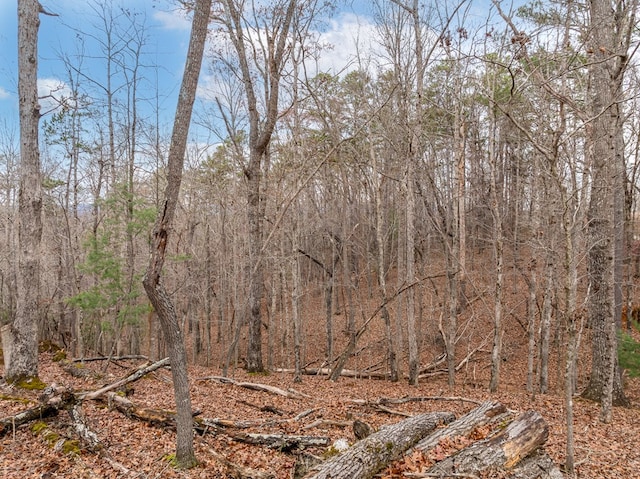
167,35
167,39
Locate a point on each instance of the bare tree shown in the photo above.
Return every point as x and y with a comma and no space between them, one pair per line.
23,358
185,455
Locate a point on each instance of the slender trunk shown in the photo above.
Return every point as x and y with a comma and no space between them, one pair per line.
498,254
392,359
185,454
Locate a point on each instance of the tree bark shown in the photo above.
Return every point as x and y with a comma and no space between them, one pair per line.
364,459
523,436
479,416
162,304
605,384
23,361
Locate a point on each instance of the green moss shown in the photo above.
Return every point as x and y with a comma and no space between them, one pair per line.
38,426
53,439
30,383
171,459
6,397
59,355
50,436
71,446
48,346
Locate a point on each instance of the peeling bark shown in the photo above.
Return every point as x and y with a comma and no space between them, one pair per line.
369,456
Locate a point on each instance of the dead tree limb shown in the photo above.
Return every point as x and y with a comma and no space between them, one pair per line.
347,373
364,459
113,358
255,386
129,379
327,422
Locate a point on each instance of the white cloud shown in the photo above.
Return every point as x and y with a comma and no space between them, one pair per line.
4,93
52,94
346,36
172,20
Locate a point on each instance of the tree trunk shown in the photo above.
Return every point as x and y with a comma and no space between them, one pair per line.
605,383
261,127
364,459
392,357
185,455
23,362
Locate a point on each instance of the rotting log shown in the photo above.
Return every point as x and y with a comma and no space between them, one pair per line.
282,442
520,438
87,435
54,399
536,466
367,457
477,417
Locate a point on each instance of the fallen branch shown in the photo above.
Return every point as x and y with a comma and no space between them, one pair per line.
347,373
255,386
368,456
327,422
129,379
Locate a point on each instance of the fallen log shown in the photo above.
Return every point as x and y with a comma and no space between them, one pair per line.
364,459
347,373
112,358
536,466
477,417
54,399
519,439
165,418
87,436
282,442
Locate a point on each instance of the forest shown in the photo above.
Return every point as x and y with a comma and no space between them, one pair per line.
449,219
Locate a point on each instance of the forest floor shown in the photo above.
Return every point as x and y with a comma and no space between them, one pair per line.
136,449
